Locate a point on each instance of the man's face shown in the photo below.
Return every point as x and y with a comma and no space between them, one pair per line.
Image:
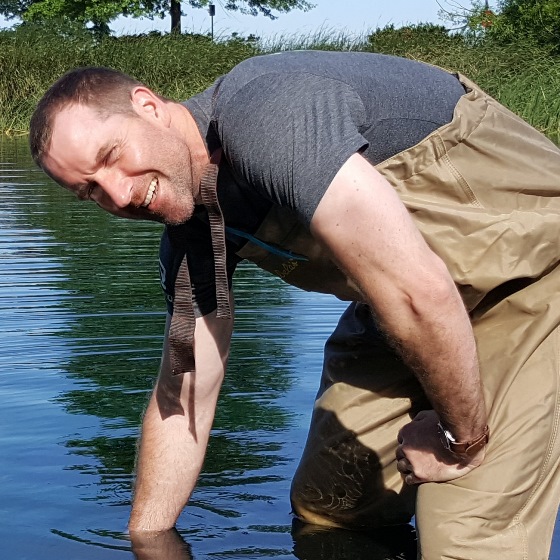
132,165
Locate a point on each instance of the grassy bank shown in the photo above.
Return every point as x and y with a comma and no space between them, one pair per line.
524,77
175,66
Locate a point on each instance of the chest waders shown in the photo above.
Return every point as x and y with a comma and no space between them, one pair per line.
484,190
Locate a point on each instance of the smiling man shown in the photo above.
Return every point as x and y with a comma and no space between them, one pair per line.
394,185
122,161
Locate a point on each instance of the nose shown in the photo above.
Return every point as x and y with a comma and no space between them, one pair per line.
115,187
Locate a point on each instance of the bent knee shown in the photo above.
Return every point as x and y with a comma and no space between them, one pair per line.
349,506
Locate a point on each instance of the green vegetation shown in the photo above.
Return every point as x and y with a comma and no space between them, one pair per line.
524,75
174,65
536,20
96,16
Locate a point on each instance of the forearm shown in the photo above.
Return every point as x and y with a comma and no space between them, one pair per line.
176,428
169,461
430,328
373,239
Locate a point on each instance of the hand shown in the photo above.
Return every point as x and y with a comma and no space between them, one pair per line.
422,457
164,545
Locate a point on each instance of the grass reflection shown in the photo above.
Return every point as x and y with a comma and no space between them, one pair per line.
85,319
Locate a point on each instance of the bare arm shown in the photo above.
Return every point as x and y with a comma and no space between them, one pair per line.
370,234
176,428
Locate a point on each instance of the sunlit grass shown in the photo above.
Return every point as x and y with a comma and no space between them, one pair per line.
524,77
325,38
177,66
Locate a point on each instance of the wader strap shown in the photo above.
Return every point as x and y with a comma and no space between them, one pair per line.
217,231
181,330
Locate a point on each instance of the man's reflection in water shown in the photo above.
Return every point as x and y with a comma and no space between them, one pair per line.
319,543
168,545
310,543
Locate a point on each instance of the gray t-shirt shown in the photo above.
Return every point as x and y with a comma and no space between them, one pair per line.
287,123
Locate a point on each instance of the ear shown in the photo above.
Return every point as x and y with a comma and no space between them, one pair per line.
149,105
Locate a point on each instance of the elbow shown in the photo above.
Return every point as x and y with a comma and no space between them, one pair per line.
434,290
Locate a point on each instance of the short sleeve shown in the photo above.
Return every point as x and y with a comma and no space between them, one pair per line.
289,133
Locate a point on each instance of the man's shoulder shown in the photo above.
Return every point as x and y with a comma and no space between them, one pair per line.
346,66
258,92
285,68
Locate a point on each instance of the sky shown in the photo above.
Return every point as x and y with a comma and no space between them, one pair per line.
353,17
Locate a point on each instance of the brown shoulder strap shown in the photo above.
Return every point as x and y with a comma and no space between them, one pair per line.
181,330
217,230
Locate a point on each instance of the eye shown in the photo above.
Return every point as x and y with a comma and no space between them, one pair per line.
112,156
91,190
109,158
86,191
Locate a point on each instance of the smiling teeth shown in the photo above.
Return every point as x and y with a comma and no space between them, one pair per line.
151,192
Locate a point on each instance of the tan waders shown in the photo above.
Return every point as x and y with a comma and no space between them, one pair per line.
485,192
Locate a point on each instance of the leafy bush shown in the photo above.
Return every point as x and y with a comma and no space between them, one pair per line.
536,21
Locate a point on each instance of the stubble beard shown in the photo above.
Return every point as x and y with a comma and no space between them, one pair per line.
181,188
183,203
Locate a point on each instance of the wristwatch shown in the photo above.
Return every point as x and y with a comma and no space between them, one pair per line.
468,448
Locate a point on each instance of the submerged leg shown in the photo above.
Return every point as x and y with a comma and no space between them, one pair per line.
347,476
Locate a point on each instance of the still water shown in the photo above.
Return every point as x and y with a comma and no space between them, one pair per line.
82,317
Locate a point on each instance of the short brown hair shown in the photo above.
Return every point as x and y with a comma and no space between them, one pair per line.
103,89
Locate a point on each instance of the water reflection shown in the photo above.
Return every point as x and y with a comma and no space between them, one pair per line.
85,315
389,543
309,543
82,319
164,546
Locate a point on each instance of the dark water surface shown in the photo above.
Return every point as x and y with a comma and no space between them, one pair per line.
82,317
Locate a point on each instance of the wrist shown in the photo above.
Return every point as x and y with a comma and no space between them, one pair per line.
464,451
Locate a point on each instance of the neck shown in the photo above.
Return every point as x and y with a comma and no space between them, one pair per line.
188,130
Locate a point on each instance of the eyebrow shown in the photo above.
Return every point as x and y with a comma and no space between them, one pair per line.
102,152
80,189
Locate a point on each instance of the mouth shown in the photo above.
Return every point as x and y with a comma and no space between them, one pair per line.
151,194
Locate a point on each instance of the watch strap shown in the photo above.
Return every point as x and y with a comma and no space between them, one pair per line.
468,448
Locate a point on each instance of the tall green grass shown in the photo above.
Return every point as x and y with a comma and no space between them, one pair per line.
177,66
523,76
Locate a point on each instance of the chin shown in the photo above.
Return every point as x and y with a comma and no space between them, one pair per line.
176,219
172,222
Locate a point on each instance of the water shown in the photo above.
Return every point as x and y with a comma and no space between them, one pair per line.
82,317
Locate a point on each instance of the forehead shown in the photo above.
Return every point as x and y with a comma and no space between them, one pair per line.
75,123
78,135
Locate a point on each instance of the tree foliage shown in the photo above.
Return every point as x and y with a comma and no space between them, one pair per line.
536,21
99,13
11,9
472,22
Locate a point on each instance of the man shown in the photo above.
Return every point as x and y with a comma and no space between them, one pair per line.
392,184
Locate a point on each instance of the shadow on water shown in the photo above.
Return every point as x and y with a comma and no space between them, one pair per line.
82,320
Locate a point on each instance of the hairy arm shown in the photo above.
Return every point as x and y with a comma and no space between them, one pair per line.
372,237
176,429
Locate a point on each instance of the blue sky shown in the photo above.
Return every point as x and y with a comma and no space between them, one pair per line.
349,16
